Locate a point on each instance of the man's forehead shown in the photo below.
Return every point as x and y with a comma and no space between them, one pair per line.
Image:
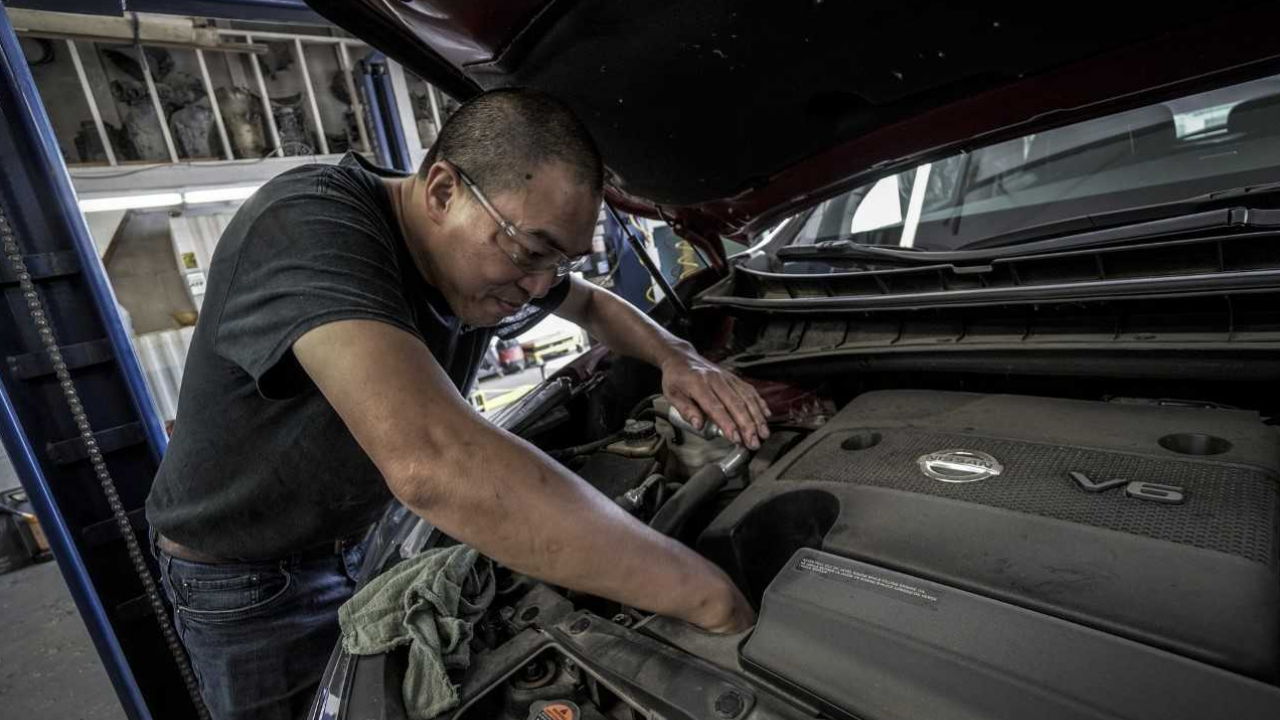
564,218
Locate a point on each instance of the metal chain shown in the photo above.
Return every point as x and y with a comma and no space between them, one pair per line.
50,344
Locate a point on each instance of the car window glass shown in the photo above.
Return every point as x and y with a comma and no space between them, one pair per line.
1210,141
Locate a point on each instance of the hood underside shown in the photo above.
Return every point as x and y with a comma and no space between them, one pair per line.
722,116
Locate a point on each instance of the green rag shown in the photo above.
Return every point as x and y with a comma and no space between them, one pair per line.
429,603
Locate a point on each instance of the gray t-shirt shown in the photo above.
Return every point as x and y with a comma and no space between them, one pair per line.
259,464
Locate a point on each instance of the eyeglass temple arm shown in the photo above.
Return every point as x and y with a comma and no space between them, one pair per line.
638,248
508,228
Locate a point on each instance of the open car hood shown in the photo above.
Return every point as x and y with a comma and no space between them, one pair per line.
722,117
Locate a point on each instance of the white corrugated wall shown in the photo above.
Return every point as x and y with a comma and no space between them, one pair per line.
194,238
163,355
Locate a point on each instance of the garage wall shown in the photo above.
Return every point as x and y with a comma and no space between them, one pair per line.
144,274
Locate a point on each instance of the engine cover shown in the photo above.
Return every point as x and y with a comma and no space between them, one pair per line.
1156,524
875,644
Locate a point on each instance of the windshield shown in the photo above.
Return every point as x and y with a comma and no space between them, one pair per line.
1218,140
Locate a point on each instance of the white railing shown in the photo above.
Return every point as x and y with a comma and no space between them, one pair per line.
300,43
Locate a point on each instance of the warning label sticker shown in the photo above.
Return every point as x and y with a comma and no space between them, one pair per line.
866,581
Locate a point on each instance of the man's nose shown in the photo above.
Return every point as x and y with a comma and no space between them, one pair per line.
537,284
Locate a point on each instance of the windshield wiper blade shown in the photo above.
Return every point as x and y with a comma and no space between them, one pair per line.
843,247
1230,217
1121,219
1187,215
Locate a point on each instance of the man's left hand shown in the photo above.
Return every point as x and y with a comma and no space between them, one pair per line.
699,389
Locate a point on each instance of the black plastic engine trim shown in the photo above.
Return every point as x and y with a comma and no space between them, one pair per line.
1114,563
875,644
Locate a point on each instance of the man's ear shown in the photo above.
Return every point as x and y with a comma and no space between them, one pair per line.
442,187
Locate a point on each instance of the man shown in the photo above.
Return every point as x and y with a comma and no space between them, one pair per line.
345,310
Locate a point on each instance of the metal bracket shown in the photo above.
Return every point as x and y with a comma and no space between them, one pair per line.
101,533
75,449
38,364
42,266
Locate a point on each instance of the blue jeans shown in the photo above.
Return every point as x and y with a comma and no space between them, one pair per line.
259,634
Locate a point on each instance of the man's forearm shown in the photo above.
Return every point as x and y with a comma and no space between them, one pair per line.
627,331
498,494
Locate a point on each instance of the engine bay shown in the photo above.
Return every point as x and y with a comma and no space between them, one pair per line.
912,553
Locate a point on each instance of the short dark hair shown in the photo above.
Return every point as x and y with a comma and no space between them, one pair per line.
499,136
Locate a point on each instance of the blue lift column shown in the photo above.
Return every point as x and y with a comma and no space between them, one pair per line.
75,416
384,113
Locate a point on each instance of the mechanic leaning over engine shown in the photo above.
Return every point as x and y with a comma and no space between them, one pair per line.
346,308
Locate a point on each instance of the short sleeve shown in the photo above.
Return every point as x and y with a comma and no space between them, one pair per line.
307,259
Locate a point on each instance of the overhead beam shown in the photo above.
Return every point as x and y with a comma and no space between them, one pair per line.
284,11
151,29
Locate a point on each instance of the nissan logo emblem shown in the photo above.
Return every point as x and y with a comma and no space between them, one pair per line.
959,466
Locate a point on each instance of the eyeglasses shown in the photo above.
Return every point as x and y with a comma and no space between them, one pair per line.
527,251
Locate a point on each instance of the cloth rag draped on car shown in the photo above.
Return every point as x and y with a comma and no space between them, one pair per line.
429,603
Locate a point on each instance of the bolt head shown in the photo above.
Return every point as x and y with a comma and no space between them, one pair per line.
730,704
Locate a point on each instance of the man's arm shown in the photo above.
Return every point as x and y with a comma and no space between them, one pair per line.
694,385
495,492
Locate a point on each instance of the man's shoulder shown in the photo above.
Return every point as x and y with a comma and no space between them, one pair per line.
315,180
310,191
351,173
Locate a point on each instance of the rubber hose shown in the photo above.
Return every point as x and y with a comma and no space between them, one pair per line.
660,495
704,484
645,403
586,449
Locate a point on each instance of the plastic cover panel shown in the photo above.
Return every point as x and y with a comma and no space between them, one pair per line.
1198,578
882,645
1228,508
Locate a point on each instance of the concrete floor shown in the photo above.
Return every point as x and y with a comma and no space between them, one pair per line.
48,667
